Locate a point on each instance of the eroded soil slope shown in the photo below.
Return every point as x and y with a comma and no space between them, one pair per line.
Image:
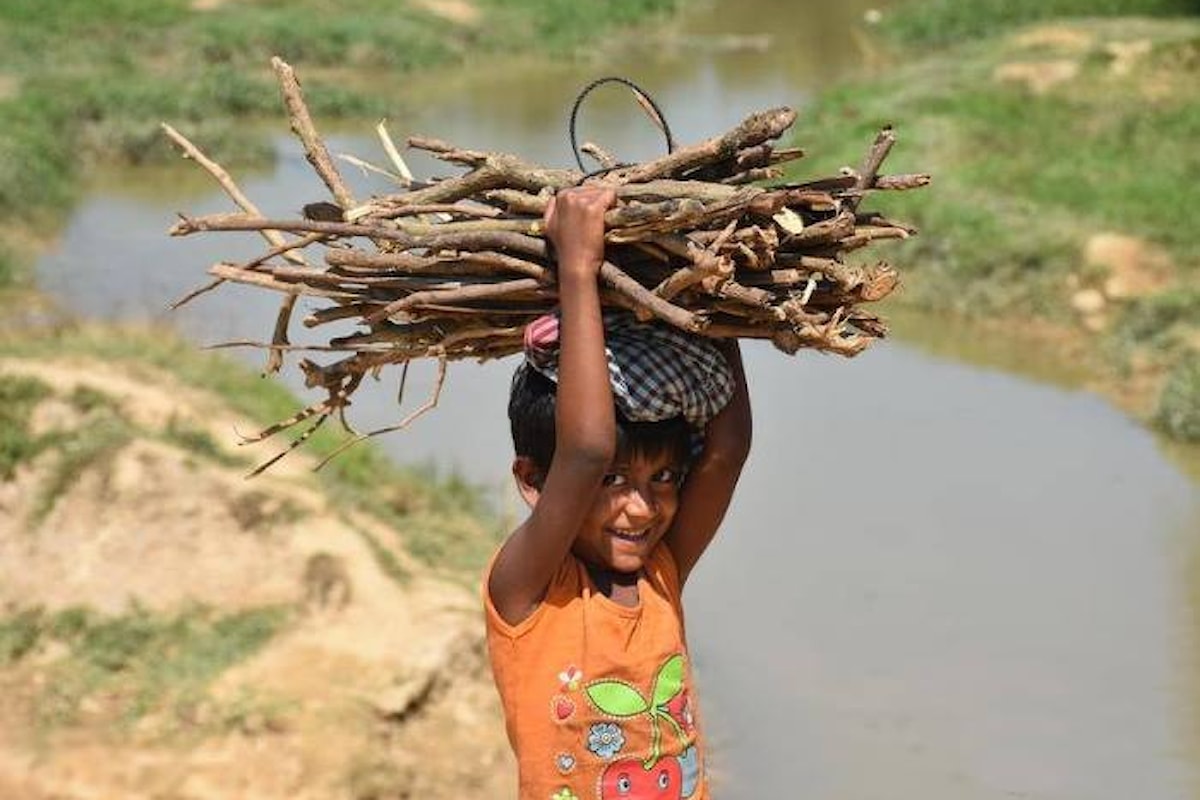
172,630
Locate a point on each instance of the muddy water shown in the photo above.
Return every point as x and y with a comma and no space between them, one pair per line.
950,572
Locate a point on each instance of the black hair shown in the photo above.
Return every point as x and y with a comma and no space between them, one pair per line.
531,413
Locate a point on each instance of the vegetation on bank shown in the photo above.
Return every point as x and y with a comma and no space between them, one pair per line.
151,672
1042,142
117,669
441,519
88,81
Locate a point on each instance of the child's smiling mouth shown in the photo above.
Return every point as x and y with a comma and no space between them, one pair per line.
630,536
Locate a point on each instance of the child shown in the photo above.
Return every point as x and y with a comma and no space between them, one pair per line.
584,617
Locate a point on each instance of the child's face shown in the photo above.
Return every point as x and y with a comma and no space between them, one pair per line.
632,511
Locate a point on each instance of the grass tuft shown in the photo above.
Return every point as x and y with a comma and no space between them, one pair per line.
385,559
1161,325
1178,412
136,662
87,399
19,634
19,395
198,442
93,444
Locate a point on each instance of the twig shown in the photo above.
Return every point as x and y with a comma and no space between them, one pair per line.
274,359
429,405
389,147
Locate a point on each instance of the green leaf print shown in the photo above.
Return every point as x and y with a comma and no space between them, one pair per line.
669,681
617,699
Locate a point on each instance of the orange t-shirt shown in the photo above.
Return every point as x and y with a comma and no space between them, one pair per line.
597,696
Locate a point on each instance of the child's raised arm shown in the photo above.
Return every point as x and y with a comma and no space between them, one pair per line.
710,483
585,424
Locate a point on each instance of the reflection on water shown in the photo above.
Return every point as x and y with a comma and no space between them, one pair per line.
939,580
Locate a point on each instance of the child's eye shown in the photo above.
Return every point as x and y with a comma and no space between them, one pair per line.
614,479
667,475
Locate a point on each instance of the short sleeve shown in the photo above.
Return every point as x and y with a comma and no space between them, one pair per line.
562,580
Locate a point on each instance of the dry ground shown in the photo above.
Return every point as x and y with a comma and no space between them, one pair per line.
378,690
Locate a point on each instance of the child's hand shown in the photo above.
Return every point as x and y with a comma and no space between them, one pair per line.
574,223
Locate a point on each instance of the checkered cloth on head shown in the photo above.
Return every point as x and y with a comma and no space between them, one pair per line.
657,372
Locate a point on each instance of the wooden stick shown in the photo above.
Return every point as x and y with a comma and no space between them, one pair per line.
302,125
232,272
754,130
186,226
460,294
901,183
348,311
643,298
487,261
871,164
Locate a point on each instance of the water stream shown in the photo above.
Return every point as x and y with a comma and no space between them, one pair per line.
950,573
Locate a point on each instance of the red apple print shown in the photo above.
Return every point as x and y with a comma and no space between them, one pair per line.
629,779
563,707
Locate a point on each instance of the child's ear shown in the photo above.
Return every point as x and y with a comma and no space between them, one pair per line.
529,479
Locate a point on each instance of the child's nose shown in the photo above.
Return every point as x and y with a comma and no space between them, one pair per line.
639,502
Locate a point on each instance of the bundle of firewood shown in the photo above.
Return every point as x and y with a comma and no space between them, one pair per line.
455,267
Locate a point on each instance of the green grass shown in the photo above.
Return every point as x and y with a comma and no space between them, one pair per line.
198,442
11,274
922,23
88,399
1178,412
19,635
560,25
84,31
92,445
135,662
37,163
1120,161
19,396
385,559
363,35
1160,324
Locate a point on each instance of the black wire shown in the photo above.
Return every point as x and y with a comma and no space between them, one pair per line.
575,113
